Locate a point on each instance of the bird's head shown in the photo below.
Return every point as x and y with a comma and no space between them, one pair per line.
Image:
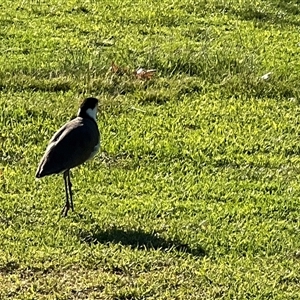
88,108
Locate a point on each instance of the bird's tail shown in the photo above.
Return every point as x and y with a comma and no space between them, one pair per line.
41,170
39,173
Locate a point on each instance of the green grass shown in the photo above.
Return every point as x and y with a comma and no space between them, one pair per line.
195,192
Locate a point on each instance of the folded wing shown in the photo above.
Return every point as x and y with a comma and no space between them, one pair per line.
69,147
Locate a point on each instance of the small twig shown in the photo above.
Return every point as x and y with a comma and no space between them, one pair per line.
137,109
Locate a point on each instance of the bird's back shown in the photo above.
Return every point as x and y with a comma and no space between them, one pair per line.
70,146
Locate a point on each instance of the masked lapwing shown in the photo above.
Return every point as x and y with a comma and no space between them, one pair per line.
73,144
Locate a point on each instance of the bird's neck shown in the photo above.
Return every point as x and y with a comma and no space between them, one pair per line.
88,113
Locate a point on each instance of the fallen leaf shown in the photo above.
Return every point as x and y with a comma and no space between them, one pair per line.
114,68
144,74
266,76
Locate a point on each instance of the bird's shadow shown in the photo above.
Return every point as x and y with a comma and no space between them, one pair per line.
137,239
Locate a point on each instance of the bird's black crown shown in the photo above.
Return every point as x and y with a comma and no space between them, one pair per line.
89,102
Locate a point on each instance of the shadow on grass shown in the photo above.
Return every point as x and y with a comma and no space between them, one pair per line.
261,15
138,240
9,268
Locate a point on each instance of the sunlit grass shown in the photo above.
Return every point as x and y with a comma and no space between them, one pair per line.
195,192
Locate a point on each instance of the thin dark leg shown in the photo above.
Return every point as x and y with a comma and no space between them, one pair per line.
67,204
70,191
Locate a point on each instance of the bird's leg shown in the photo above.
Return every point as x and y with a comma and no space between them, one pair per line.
67,204
70,191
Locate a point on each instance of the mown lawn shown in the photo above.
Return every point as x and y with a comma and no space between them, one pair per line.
195,192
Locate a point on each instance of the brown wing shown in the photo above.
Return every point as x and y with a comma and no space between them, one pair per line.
70,146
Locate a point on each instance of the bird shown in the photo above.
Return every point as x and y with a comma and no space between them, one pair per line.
73,144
